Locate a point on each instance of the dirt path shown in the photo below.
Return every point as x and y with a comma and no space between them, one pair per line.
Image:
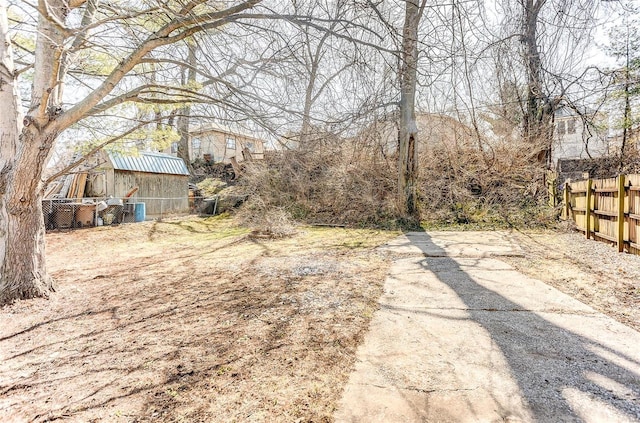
463,337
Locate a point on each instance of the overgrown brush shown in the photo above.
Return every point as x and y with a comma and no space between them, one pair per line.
495,185
354,183
335,182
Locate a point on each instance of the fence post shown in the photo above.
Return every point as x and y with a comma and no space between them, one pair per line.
621,194
567,200
587,213
552,190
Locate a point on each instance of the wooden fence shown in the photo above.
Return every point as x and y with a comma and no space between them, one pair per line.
606,210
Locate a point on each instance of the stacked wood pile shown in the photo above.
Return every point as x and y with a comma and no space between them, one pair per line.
72,186
223,171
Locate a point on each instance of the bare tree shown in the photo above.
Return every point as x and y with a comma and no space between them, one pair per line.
551,37
184,114
408,130
25,150
539,106
624,46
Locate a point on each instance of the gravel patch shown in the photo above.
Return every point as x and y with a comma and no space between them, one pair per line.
591,271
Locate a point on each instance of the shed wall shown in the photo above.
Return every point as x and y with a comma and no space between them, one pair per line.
162,193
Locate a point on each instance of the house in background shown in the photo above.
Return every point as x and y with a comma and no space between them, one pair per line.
213,142
572,139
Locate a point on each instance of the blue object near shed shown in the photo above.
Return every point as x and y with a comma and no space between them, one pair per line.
140,212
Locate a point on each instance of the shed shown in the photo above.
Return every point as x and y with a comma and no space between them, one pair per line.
162,181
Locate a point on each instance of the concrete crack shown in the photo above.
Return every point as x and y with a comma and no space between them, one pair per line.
429,391
416,389
511,310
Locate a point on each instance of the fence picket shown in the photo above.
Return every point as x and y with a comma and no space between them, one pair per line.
621,195
606,210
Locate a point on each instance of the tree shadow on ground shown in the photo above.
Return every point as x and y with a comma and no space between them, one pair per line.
557,370
197,340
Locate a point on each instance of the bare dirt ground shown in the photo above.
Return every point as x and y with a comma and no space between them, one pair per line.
193,320
190,320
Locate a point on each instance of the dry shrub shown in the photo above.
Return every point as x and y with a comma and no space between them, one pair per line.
266,222
331,182
211,186
600,167
463,181
630,161
353,182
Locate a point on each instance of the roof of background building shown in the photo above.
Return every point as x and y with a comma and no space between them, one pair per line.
217,127
564,111
149,162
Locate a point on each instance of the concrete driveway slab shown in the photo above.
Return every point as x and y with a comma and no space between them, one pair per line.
463,337
455,244
419,285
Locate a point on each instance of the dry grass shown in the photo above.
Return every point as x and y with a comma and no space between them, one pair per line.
193,320
190,320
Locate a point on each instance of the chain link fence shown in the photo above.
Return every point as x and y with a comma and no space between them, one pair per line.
91,212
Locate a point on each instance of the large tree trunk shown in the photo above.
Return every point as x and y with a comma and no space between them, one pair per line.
407,148
23,271
24,153
184,114
538,116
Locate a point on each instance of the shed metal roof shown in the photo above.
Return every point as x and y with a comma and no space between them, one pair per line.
149,162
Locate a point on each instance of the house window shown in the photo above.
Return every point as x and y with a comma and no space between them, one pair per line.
231,143
571,126
196,145
174,147
561,128
251,147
